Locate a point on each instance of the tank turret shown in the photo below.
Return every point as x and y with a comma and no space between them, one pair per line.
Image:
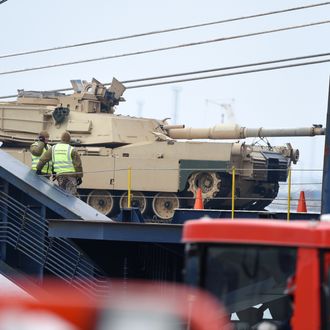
168,162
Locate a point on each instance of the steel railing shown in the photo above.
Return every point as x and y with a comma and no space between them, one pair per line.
26,231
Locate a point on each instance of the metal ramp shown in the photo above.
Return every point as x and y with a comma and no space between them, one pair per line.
45,192
26,202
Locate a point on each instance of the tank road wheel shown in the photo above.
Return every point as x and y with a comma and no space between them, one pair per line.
138,199
209,182
101,200
163,205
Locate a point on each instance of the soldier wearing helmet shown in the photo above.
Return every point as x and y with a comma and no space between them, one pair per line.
66,164
37,149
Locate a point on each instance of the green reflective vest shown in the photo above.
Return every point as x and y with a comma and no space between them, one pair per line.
47,169
62,159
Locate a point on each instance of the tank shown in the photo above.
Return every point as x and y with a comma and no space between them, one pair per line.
166,163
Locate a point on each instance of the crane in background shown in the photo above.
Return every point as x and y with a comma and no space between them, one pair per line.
227,114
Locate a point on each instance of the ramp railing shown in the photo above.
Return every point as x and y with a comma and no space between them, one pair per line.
23,229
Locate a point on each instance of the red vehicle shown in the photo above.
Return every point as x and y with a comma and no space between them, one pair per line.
269,274
127,306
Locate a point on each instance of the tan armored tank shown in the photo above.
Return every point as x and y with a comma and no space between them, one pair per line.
166,166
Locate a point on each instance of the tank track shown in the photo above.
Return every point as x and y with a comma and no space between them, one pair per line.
159,206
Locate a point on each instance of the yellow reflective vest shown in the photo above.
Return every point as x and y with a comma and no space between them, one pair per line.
47,169
62,159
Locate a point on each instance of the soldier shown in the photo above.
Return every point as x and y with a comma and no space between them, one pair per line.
66,164
37,149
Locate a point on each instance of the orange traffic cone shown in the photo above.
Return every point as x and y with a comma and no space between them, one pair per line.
199,200
302,203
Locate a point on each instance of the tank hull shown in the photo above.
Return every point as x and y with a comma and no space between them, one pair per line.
166,174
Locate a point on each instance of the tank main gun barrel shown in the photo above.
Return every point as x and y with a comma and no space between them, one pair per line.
240,132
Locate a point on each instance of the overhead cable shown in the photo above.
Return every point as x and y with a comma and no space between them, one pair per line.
230,74
226,68
165,30
297,58
165,48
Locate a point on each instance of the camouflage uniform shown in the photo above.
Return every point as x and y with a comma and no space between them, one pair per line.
36,150
68,183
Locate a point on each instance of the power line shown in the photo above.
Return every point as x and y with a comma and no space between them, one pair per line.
164,31
2,1
225,68
230,74
297,58
165,48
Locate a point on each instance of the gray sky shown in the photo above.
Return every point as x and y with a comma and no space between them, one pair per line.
284,98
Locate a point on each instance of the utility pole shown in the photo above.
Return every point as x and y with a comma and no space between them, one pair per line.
176,91
140,108
325,203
